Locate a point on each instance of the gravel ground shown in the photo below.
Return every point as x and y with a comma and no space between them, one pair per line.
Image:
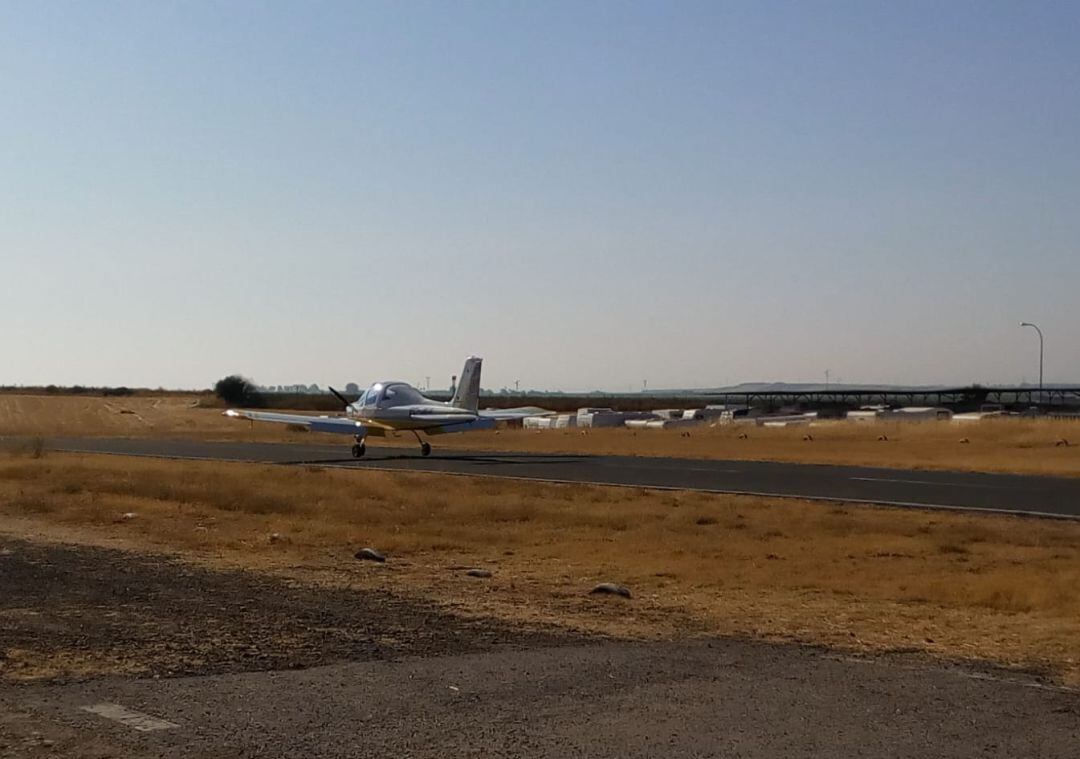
69,612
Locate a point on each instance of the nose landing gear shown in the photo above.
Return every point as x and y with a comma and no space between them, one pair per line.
425,447
359,449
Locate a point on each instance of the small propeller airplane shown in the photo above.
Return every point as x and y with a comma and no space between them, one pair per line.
398,406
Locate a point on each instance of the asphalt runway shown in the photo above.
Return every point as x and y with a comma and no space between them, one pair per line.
1016,494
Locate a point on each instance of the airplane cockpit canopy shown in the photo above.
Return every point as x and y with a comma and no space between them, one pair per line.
390,394
401,394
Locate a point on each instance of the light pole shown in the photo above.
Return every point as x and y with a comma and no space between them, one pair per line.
1036,328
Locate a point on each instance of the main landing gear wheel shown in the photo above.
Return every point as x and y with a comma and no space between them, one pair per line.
358,450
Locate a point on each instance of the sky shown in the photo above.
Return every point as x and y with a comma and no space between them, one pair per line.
590,195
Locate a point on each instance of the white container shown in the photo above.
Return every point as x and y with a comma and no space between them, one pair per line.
601,419
862,416
536,422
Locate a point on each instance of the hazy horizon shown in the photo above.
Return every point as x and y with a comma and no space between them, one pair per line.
587,195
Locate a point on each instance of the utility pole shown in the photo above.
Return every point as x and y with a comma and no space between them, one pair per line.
1036,328
517,385
827,378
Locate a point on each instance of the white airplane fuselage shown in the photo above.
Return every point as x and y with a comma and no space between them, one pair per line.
400,406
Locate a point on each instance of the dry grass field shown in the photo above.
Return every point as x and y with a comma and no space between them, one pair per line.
139,416
1000,445
855,577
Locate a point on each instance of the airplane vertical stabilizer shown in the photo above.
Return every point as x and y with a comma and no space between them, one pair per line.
467,395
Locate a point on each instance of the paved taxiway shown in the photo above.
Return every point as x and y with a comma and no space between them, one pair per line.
715,698
1022,494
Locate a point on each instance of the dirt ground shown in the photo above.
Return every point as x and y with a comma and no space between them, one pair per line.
71,611
1002,445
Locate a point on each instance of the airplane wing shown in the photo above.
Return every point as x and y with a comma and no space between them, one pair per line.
338,424
468,425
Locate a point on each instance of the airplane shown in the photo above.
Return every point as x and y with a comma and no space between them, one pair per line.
398,406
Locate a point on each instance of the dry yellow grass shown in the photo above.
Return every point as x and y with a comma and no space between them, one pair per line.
995,588
1001,445
166,416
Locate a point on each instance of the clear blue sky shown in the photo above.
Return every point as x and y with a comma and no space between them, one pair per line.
587,194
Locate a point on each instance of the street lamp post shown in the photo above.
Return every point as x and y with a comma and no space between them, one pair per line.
1036,328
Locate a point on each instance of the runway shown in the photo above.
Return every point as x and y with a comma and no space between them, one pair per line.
1057,497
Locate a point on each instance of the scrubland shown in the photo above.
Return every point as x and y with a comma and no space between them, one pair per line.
854,577
997,445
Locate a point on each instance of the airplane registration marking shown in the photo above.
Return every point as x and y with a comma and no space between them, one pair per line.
144,723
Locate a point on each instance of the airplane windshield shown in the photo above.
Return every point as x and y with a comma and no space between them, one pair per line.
371,397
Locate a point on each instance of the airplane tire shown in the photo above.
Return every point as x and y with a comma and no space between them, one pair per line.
425,449
358,450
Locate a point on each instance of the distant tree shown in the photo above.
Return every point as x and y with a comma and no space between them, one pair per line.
238,391
352,388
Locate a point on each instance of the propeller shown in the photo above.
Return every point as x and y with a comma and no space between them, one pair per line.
341,398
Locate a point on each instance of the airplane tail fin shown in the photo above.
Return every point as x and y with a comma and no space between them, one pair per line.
467,395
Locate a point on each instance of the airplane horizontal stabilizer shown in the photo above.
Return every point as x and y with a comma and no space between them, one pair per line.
511,414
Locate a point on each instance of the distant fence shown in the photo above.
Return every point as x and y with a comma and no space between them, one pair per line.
1061,402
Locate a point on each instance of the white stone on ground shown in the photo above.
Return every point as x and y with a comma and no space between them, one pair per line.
611,589
369,554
